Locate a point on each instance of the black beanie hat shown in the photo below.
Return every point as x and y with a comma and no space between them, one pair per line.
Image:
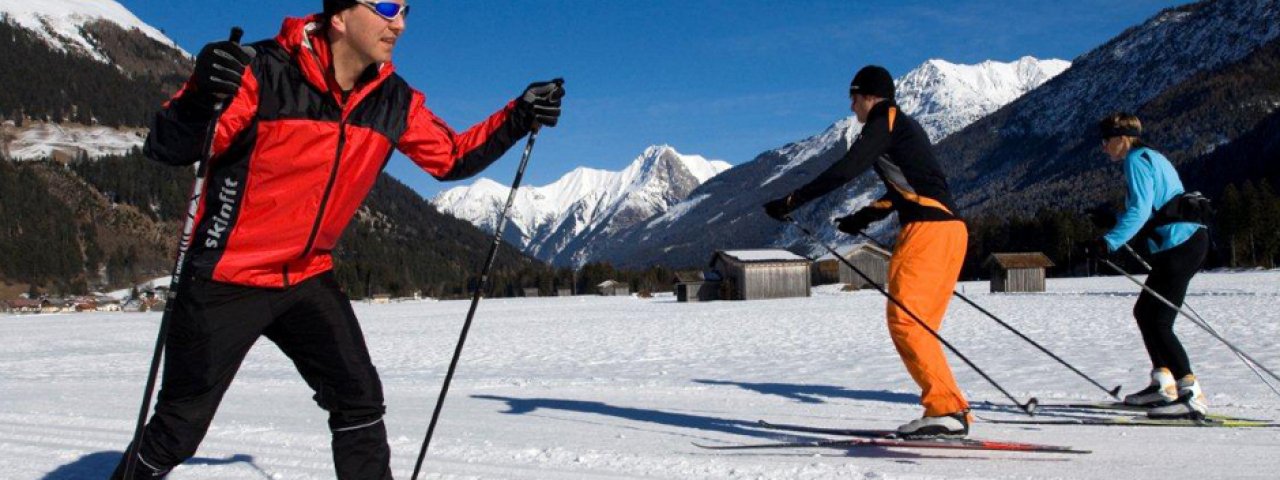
872,80
334,6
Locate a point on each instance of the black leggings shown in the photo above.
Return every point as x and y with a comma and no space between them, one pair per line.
1171,271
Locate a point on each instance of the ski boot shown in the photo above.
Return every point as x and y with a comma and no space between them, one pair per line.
1190,403
955,425
141,471
1162,391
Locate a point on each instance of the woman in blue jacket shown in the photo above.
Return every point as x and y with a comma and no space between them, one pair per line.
1178,249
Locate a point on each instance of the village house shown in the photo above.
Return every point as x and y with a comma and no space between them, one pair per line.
761,274
871,260
1018,272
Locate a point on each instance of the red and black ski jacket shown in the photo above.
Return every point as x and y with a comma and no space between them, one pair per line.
898,148
293,157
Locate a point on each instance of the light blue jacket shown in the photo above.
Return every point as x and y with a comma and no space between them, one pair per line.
1152,183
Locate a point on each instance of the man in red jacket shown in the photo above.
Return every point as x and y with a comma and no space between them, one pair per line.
310,119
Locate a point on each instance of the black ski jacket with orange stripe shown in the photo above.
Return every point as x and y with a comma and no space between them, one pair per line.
898,149
293,157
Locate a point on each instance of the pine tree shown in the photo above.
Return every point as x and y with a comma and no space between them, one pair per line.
1231,221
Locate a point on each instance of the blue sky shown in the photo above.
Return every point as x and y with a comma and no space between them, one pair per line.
723,79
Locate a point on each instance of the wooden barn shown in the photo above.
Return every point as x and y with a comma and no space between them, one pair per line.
761,274
1017,272
870,259
613,288
697,286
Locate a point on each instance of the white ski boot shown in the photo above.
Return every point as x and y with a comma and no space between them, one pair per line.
1162,391
1190,402
955,425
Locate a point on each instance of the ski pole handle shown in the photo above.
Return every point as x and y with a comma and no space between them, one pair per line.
559,81
236,34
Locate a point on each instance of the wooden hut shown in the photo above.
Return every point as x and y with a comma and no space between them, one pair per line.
697,286
530,292
613,288
1017,272
760,274
23,305
564,292
870,260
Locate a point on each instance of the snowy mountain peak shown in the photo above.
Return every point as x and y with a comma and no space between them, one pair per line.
61,22
555,221
657,150
698,166
945,97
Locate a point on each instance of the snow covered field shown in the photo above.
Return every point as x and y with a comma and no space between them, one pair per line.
595,387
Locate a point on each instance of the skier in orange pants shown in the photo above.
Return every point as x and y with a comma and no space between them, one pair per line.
930,248
922,275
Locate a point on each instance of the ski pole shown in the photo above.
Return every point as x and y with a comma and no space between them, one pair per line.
1139,258
1193,311
170,298
1029,407
1193,319
1114,392
475,300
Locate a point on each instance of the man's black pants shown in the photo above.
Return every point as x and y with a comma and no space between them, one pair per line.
211,330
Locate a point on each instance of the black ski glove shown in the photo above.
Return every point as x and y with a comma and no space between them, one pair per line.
1099,250
540,103
219,68
781,208
1103,215
857,222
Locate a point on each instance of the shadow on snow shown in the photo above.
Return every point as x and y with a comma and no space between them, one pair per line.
101,464
525,406
818,393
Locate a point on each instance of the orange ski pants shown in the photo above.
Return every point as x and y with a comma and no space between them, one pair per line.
922,275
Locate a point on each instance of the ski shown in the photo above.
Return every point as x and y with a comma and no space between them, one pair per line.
1138,422
1118,407
939,443
887,438
846,432
1083,406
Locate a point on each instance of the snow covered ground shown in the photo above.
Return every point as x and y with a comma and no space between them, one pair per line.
40,141
596,387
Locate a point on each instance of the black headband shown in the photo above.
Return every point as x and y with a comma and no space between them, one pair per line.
1109,131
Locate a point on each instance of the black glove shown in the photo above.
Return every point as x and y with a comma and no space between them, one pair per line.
1099,250
219,68
857,222
1103,215
540,103
779,209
